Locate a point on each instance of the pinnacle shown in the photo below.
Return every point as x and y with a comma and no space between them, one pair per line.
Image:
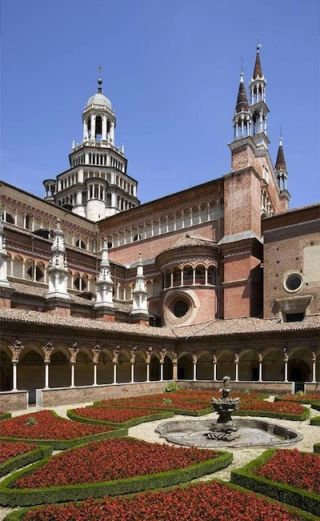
242,100
257,71
280,161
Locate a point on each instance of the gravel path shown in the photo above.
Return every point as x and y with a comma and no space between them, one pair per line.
146,431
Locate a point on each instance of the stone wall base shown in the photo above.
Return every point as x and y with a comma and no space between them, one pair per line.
13,400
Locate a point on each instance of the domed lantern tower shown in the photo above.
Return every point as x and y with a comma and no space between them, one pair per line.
97,184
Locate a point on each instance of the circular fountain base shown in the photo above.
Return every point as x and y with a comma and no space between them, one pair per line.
252,433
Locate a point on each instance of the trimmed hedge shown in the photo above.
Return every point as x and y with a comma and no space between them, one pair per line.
18,515
126,425
66,444
279,415
247,478
13,497
26,458
5,415
316,448
315,421
315,404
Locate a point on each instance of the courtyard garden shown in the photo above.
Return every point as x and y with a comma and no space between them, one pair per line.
104,461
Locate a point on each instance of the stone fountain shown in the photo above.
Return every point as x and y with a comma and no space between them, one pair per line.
224,428
224,432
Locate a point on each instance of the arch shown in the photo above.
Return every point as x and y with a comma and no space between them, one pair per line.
105,367
249,365
167,368
9,218
185,367
30,371
300,365
200,275
17,266
124,367
176,277
187,275
59,370
167,279
225,365
273,365
5,369
205,366
140,367
154,368
83,369
212,276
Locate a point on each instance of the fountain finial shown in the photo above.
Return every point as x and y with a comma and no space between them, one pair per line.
224,429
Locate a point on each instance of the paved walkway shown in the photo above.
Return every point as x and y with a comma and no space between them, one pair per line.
146,431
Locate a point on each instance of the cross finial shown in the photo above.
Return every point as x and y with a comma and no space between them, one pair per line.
100,69
259,45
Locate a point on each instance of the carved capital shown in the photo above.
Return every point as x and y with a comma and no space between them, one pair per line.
148,355
214,358
194,358
96,350
133,353
74,350
47,351
115,356
314,356
16,349
174,358
236,358
162,355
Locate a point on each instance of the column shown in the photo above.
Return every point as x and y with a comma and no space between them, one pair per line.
148,372
194,361
171,279
72,374
95,374
14,376
206,276
112,133
314,362
175,367
115,373
193,276
132,372
285,365
46,375
93,126
236,361
161,371
181,277
260,368
214,368
104,127
85,130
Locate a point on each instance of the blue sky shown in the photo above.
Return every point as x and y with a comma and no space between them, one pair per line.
171,69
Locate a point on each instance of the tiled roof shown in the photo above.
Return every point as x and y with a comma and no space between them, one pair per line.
212,328
247,326
190,241
242,100
280,161
257,71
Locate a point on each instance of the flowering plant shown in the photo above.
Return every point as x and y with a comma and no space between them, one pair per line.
201,502
298,469
112,414
112,460
46,425
9,449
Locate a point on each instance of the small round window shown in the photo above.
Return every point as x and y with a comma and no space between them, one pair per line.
293,282
180,308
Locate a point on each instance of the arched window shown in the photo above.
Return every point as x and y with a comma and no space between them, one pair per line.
167,279
9,218
177,277
187,276
200,275
80,283
81,244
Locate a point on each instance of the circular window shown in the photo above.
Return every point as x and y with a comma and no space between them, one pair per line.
293,282
180,308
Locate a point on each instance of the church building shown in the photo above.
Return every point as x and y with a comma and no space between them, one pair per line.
101,295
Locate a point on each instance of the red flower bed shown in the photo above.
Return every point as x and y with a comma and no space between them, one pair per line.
110,414
45,425
202,502
300,397
111,460
9,449
278,407
295,468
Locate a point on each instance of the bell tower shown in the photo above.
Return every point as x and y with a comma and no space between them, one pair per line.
97,184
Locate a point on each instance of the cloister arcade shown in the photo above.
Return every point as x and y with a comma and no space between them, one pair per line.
31,365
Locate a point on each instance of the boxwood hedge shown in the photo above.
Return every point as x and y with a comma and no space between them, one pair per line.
315,421
279,415
316,447
13,497
5,415
66,444
130,423
26,458
247,478
18,515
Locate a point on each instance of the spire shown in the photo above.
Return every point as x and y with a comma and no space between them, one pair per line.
281,168
104,284
242,104
99,80
280,161
257,71
57,268
140,302
3,256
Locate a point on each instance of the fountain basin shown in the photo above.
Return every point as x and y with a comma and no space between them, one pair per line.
252,433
